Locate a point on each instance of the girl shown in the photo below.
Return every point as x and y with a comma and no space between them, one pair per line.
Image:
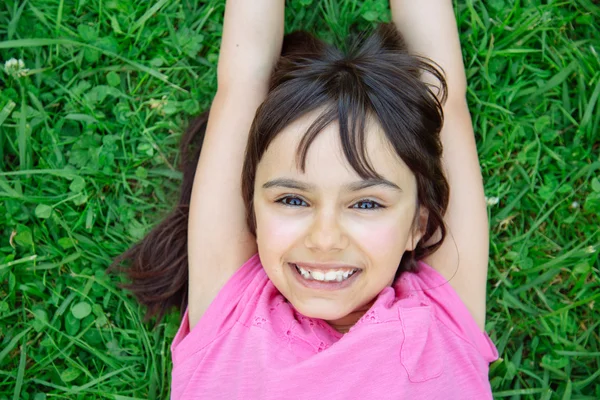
326,271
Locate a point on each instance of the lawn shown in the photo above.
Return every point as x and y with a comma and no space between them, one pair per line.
89,129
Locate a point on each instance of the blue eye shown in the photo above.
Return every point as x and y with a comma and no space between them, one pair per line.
367,205
292,201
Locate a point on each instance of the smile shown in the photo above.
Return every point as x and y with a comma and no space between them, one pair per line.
338,275
323,277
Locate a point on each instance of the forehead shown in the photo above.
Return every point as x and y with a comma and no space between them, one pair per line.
325,159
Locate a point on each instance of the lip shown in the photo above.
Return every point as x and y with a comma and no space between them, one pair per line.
324,286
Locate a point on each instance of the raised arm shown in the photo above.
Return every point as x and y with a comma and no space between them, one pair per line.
429,28
218,239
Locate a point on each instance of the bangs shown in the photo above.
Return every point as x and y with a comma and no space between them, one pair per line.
352,133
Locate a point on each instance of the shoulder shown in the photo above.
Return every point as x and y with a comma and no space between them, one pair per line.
235,299
449,310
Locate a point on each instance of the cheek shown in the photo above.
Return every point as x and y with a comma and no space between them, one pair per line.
384,237
276,231
379,238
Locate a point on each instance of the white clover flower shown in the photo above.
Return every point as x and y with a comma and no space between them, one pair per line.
15,68
492,201
590,249
574,204
159,104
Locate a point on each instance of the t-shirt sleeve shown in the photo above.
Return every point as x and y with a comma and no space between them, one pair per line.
453,313
243,288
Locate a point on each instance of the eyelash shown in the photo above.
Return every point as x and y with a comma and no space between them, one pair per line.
376,207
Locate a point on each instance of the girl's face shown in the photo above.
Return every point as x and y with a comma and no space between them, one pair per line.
329,240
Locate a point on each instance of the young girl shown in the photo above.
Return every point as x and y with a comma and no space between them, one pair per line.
350,260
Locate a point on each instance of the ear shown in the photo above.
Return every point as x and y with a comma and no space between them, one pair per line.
418,228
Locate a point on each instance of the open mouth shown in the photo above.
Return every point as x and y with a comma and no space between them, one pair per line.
334,275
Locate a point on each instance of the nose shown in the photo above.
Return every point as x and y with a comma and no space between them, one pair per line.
325,233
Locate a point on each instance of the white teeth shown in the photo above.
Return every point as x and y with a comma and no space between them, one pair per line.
330,276
318,275
305,274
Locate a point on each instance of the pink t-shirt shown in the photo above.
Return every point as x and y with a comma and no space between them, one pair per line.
418,341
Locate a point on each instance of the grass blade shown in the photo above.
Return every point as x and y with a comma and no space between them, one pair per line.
555,80
20,372
6,110
149,13
589,109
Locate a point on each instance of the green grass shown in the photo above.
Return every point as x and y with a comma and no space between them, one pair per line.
88,149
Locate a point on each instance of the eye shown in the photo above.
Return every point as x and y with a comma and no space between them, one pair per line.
292,201
367,205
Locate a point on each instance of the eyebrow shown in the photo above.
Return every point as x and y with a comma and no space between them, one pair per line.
352,187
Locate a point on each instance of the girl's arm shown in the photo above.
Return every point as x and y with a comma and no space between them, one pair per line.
429,28
218,239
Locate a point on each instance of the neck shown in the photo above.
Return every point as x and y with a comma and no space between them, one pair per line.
344,324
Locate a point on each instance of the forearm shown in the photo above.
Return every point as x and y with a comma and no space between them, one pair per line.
251,43
429,28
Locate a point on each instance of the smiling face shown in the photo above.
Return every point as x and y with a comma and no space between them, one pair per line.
329,240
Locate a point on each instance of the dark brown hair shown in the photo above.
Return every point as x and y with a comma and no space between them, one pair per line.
376,78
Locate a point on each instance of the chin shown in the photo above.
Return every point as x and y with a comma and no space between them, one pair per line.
321,309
